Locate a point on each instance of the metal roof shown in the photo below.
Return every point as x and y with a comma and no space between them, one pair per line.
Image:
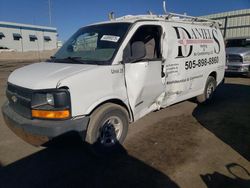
234,23
27,26
172,17
243,12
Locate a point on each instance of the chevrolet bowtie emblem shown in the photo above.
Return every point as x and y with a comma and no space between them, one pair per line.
14,98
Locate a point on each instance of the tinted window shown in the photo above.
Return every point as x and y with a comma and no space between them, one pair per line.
33,38
238,43
17,36
1,35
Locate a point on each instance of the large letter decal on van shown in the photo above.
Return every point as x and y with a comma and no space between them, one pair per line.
181,35
215,34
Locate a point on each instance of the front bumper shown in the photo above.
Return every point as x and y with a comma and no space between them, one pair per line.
38,132
237,68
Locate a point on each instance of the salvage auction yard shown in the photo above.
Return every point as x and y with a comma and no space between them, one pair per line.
185,145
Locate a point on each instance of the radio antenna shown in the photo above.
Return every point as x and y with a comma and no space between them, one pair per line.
164,7
150,12
111,16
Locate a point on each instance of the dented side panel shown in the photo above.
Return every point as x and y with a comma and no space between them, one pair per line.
144,86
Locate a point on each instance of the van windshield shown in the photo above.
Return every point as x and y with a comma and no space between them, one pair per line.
96,44
244,43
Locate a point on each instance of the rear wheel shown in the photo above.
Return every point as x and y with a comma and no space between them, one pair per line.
209,90
107,128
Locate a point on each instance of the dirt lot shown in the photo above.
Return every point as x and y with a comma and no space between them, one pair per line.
25,56
185,145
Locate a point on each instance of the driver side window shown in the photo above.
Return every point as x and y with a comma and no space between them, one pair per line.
150,35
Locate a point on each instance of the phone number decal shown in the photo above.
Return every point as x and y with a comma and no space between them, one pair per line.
201,62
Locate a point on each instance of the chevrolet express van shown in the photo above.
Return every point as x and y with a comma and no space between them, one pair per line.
110,74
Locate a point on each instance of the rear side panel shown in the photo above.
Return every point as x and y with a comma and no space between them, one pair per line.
191,53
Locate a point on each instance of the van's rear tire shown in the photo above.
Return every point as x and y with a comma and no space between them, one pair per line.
208,91
107,128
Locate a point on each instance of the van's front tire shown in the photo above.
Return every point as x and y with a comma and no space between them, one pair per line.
107,128
208,91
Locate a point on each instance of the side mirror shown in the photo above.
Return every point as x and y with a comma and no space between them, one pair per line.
136,53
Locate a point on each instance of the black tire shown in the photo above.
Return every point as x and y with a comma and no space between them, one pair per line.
102,135
208,91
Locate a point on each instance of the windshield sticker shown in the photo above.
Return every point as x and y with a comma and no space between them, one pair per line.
110,38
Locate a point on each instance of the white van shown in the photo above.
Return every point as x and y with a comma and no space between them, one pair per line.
110,74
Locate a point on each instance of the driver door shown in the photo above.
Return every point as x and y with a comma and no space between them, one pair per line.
144,76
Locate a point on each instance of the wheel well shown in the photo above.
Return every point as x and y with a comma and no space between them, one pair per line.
213,74
64,87
118,102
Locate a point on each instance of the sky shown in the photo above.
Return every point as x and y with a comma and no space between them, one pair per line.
68,16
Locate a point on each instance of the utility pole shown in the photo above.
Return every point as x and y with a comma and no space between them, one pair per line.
49,12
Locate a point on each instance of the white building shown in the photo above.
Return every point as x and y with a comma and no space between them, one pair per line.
234,23
23,37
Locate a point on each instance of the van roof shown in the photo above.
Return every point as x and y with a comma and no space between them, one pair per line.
171,17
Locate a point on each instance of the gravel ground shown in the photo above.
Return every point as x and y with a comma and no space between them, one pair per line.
20,57
185,145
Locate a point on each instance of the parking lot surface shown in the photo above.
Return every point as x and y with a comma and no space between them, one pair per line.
185,145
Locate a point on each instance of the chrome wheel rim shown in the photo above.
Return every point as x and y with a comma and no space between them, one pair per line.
210,90
111,131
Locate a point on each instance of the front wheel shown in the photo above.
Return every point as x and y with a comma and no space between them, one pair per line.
208,91
107,128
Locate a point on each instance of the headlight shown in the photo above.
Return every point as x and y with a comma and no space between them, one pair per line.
50,99
51,104
247,58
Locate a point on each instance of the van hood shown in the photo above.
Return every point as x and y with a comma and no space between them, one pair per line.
45,75
238,51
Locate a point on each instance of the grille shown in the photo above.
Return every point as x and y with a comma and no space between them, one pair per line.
19,99
234,59
233,68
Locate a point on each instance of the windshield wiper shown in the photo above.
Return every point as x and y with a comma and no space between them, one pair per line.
72,59
77,60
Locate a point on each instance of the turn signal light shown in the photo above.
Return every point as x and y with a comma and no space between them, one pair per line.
44,114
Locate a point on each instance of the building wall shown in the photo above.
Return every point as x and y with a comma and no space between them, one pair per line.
24,44
234,23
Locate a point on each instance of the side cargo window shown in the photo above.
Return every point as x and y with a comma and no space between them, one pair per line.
151,37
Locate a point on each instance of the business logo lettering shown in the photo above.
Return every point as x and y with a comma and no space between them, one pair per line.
187,40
